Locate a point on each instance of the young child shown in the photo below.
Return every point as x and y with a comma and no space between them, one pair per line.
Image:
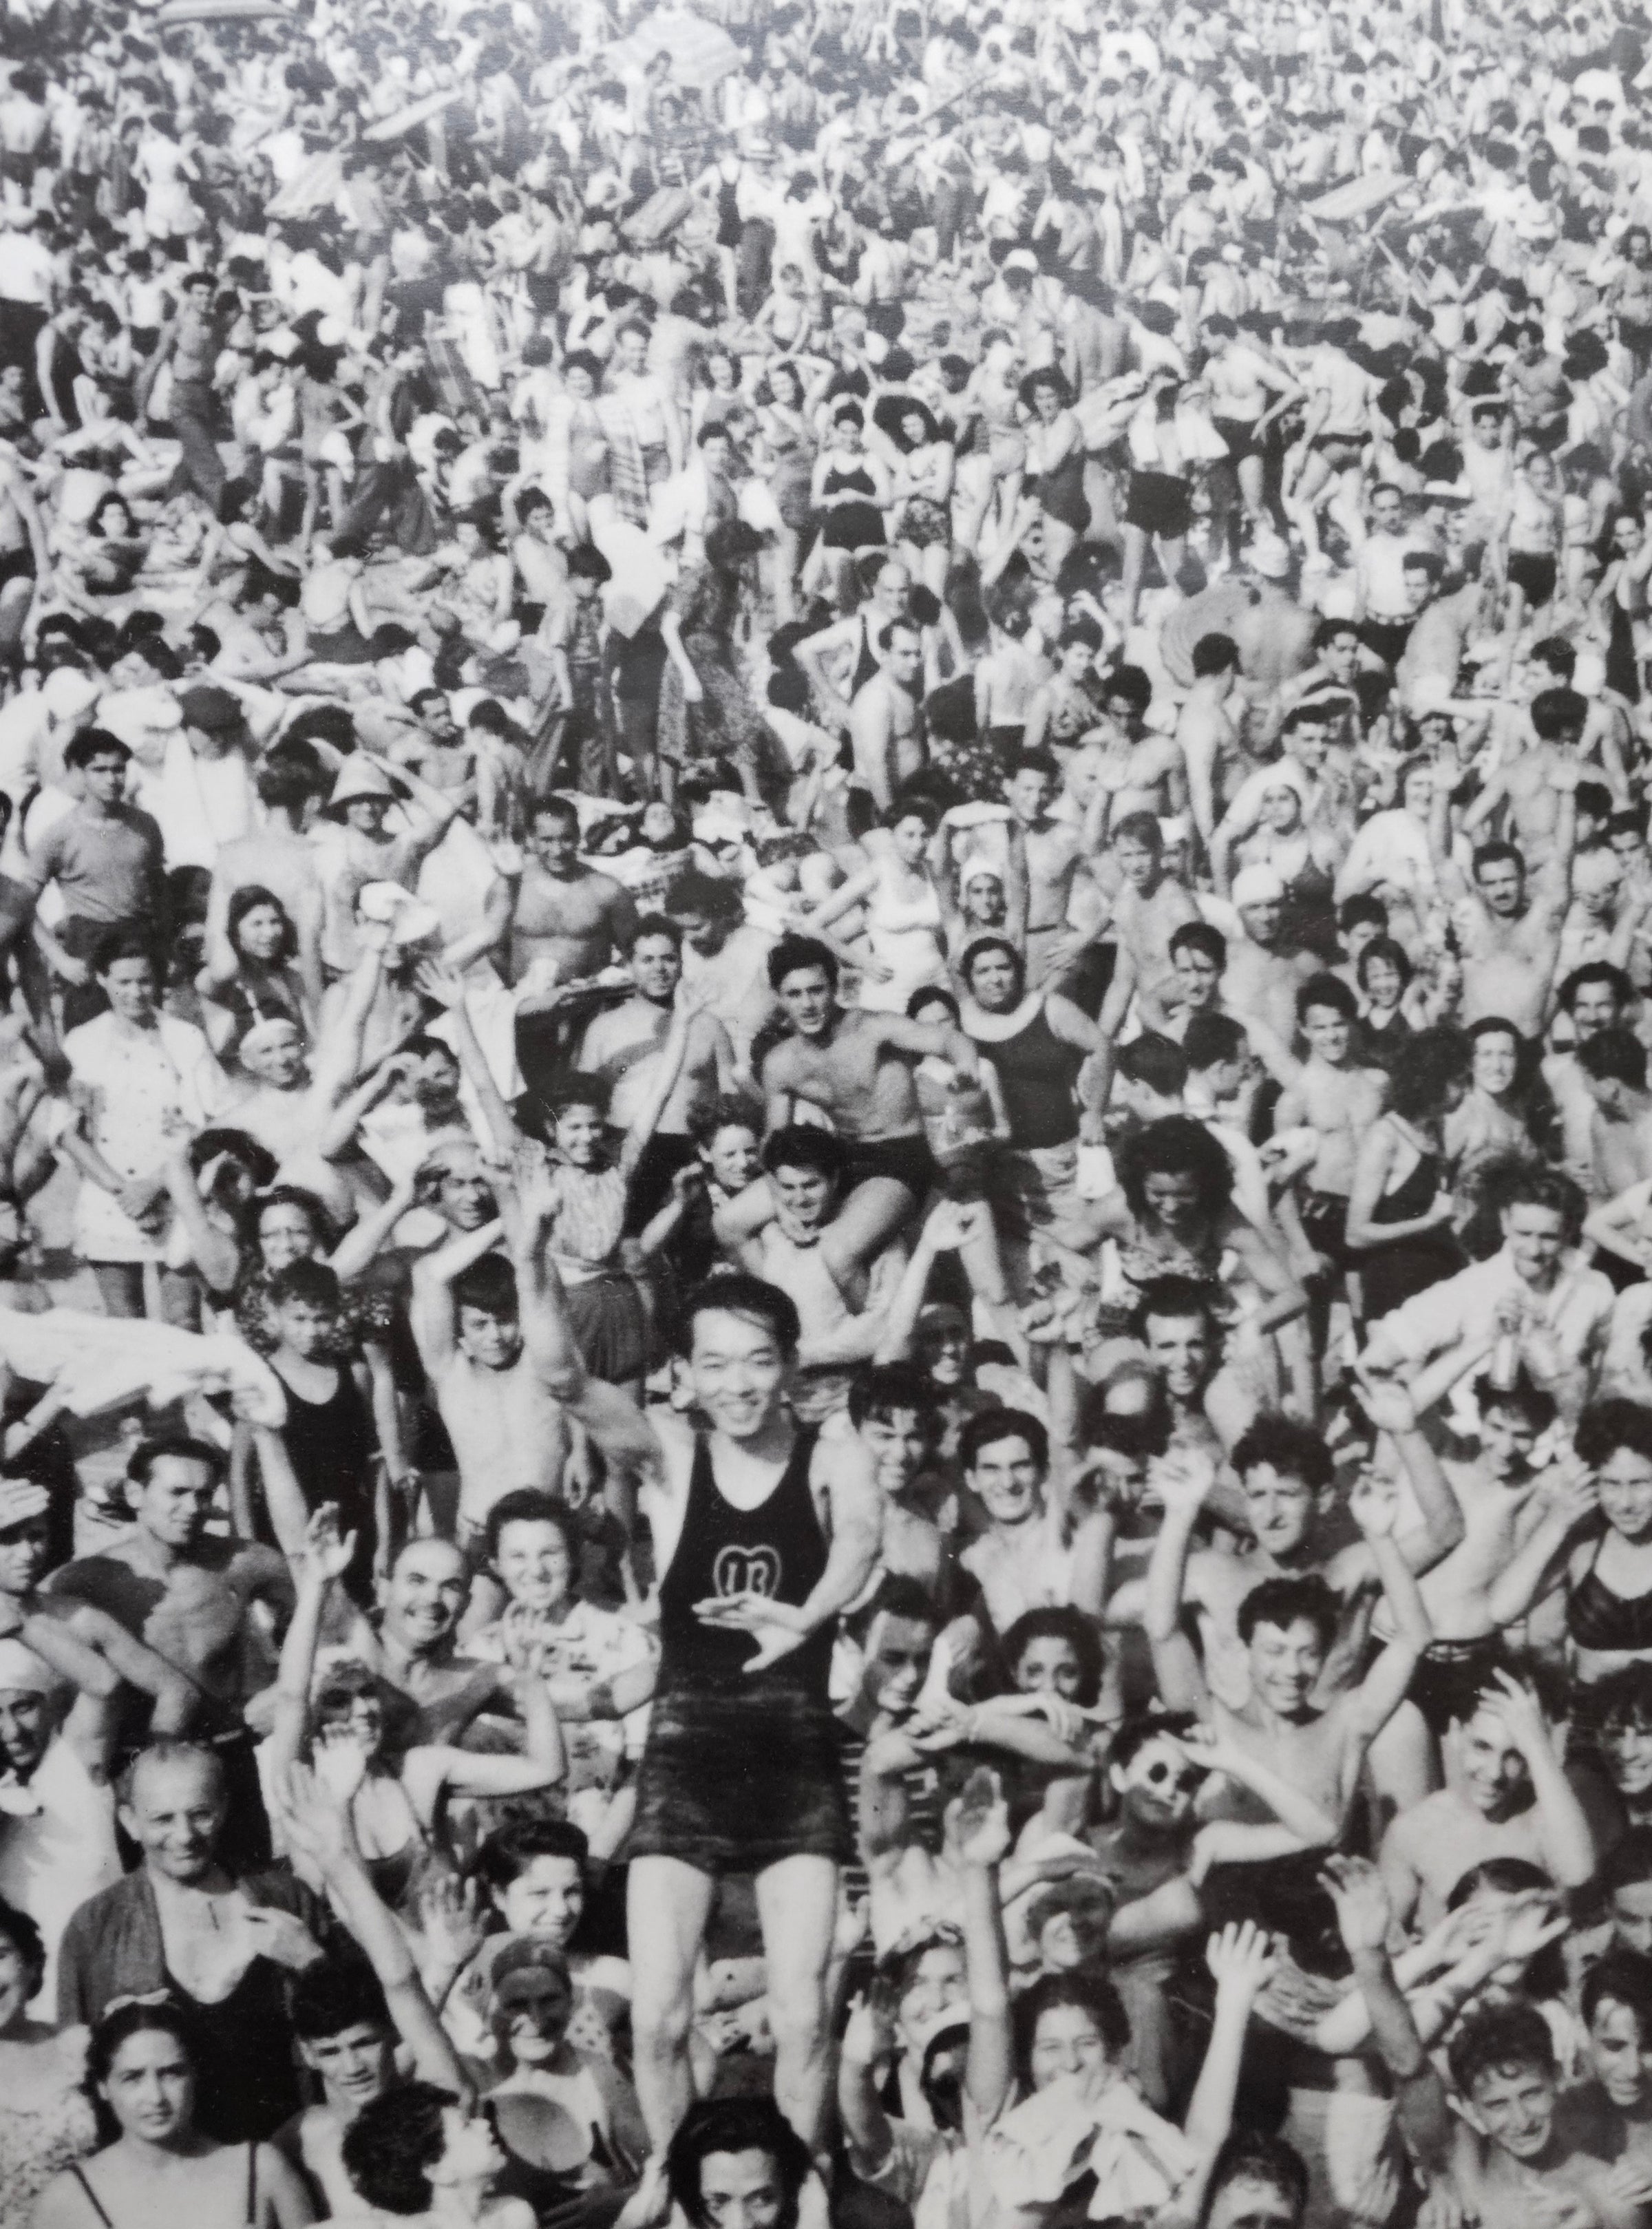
327,1450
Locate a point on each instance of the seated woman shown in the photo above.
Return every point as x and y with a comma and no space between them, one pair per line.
568,2118
141,2074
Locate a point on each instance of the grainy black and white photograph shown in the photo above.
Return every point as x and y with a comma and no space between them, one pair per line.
826,1138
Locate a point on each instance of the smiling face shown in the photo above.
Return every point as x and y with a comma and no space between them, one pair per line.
738,1370
1622,2054
1173,1200
1066,2042
1626,1744
1286,1662
172,1503
1516,2106
129,985
1182,1349
1495,1059
1327,1031
535,1564
1009,1479
424,1595
1156,1787
531,2008
1494,1773
1049,1666
25,1729
897,1444
287,1233
546,1899
1624,1484
23,1555
1502,887
176,1815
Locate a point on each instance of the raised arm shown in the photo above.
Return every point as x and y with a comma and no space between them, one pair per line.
444,987
431,1310
1182,1483
317,1830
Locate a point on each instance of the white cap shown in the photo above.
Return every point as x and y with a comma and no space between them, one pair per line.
20,1668
1255,886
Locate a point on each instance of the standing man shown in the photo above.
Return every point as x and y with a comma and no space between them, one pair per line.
763,1532
190,344
186,1593
624,1047
105,858
857,1067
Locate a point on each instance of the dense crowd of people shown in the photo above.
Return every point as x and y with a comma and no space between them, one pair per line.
825,1146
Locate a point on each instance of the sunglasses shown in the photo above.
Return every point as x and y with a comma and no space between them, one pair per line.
1185,1779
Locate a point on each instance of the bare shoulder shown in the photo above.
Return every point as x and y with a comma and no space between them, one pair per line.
840,1465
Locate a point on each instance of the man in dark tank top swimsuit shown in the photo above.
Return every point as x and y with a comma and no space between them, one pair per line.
762,1533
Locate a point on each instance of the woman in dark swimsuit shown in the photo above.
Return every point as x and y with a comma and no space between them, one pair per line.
1609,1572
850,487
143,2067
1400,1213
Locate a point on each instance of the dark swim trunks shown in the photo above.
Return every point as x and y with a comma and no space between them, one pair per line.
908,1160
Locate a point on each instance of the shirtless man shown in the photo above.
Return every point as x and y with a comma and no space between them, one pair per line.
841,1292
1509,1797
1304,1759
856,1066
1264,974
187,1593
1509,936
886,716
1137,769
1533,788
1151,908
1055,859
624,1047
1339,1103
565,913
1613,1066
1206,734
490,1342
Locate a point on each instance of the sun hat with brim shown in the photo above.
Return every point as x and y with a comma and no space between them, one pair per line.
358,777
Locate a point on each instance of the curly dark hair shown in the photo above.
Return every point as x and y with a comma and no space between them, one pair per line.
392,2144
1089,1993
1174,1145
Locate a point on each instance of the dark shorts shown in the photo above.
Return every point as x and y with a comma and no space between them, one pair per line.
908,1160
1325,1224
1448,1684
731,1784
1388,638
16,565
1283,1897
1533,575
610,1326
1240,434
1159,504
1341,451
